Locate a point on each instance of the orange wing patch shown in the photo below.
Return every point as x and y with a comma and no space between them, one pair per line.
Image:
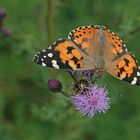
69,55
76,54
121,63
126,66
84,35
118,46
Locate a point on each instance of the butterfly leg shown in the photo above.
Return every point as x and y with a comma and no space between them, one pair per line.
98,76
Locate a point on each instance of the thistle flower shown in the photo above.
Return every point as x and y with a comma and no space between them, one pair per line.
2,14
54,85
91,101
6,32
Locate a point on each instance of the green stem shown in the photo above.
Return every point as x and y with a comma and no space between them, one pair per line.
64,94
50,17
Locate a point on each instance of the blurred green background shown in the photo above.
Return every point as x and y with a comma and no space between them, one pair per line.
28,110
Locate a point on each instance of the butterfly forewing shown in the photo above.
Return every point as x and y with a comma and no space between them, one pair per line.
85,37
63,54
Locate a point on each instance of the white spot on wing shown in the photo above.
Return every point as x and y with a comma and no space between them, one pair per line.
69,37
43,64
103,27
60,39
108,30
44,50
138,73
97,26
54,43
44,56
113,33
50,54
54,62
55,66
134,81
126,49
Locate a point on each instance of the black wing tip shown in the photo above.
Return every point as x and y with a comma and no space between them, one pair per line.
71,33
135,78
36,57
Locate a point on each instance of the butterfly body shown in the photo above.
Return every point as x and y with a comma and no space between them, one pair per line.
92,47
99,46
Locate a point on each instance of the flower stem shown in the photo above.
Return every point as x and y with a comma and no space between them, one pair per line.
64,94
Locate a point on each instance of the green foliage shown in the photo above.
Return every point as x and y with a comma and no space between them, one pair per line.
28,110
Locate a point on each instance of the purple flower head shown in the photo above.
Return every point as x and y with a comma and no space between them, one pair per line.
54,85
2,14
88,73
6,32
91,101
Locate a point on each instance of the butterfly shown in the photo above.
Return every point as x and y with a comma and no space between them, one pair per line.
92,47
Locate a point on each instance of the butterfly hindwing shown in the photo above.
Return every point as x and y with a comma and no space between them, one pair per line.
125,68
119,62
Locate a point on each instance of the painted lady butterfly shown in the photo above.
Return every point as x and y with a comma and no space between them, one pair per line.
92,47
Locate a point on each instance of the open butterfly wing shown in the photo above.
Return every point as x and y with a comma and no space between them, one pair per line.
125,68
86,37
64,54
119,62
